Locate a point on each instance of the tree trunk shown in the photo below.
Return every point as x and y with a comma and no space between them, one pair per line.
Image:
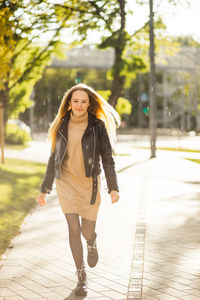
118,80
4,99
122,13
2,132
152,100
116,90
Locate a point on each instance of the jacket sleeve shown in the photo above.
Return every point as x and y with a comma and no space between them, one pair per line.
107,160
47,182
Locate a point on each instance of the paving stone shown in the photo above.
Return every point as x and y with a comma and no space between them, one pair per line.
194,292
93,294
61,290
37,288
98,287
190,297
112,294
52,296
145,297
119,288
103,298
174,292
4,283
167,297
14,298
179,286
27,294
160,217
14,286
182,280
150,291
11,262
2,291
9,293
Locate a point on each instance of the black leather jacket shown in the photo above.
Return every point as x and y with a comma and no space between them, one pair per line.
95,143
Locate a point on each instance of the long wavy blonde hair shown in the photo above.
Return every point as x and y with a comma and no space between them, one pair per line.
98,106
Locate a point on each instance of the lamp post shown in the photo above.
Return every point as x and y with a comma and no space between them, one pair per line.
152,100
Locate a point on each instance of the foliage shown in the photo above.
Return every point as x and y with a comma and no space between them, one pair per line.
131,52
104,93
109,18
123,105
19,181
16,135
49,90
23,53
187,41
7,43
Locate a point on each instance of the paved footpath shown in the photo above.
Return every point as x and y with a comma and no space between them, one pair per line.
149,242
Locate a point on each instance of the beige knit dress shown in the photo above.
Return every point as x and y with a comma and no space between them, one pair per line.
74,189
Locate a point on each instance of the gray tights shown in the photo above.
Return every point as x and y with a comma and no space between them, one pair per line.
86,228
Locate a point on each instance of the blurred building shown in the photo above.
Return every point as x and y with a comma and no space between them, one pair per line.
177,86
87,57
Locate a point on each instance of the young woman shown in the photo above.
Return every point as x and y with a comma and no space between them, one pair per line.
82,132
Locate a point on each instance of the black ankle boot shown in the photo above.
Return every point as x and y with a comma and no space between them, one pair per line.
93,256
81,288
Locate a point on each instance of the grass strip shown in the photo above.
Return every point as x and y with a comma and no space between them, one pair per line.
19,185
122,154
16,147
171,149
194,160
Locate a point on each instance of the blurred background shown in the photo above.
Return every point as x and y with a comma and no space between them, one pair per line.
143,57
48,46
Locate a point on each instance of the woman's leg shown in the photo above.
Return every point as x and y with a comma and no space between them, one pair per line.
77,252
88,231
75,238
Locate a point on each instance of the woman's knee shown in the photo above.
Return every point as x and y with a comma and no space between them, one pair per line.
73,225
87,234
75,230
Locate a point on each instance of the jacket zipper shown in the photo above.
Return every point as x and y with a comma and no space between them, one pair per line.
65,150
92,167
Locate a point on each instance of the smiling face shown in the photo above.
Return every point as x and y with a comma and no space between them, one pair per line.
79,103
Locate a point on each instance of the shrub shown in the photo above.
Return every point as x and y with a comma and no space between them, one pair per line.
16,135
123,106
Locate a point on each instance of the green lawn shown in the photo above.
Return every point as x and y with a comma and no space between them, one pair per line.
172,149
19,185
16,147
121,154
194,160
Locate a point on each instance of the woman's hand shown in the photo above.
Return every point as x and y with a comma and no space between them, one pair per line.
114,196
41,199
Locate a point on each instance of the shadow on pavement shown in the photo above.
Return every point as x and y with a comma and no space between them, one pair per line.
73,297
132,165
172,251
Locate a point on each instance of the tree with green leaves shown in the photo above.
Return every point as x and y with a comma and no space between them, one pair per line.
109,18
23,53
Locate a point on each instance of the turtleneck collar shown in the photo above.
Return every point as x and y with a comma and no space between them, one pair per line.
91,118
78,119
